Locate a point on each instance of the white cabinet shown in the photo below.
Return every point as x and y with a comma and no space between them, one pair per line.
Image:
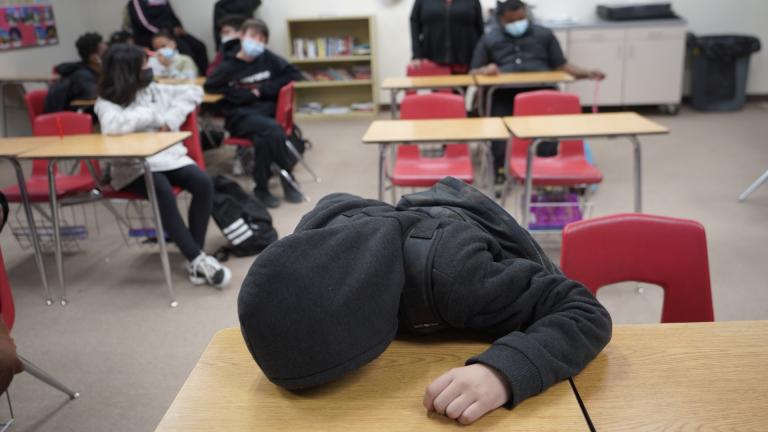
644,65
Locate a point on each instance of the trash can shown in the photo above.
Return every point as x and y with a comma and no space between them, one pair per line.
720,67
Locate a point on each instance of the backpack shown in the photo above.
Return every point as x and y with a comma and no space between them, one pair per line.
244,220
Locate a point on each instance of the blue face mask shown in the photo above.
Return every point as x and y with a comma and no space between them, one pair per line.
517,28
252,48
168,53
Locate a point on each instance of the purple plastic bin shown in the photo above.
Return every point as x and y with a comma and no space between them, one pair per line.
554,217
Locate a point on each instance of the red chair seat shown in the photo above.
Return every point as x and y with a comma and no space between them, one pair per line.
37,187
557,171
425,172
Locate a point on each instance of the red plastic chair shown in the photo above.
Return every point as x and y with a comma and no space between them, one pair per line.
428,68
35,101
671,253
56,124
414,170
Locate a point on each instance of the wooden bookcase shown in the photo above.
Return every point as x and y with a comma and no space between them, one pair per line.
339,92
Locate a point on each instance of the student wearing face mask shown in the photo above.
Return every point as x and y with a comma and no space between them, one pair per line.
168,62
250,78
229,31
129,101
517,45
79,79
446,32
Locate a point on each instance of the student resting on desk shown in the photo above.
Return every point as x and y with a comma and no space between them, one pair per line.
330,298
517,45
250,78
129,101
78,80
168,62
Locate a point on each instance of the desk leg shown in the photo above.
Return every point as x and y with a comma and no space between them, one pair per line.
754,187
32,229
529,182
489,101
5,109
638,174
382,170
56,229
152,195
393,104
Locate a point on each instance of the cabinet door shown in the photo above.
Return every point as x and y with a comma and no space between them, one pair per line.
598,49
653,72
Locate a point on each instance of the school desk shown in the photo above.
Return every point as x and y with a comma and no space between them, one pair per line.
518,80
395,85
226,391
137,146
388,132
10,149
87,103
581,126
680,377
7,81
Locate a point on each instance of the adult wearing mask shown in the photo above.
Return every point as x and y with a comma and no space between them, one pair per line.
146,18
446,32
517,45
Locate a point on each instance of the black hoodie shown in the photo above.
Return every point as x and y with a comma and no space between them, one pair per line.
78,81
236,79
319,303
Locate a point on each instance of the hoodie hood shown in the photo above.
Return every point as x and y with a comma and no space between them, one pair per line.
67,69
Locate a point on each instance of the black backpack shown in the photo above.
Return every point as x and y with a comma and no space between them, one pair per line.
243,220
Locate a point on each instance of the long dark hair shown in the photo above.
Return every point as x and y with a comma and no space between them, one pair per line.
121,74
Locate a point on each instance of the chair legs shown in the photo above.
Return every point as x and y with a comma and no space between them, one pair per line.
43,376
754,187
301,160
289,178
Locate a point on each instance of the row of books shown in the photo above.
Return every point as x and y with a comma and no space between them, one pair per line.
328,47
333,74
316,108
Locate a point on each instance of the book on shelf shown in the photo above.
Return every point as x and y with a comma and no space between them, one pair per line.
304,48
336,74
316,108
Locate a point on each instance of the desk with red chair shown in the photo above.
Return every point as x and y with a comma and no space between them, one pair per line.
137,146
395,85
518,80
581,126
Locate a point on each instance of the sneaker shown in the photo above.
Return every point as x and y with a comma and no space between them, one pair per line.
266,198
290,193
207,270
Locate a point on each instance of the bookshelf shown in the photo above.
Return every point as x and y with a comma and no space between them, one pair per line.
337,56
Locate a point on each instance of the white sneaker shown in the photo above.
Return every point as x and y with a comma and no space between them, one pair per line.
206,269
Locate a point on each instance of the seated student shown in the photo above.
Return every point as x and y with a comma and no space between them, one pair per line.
330,298
250,80
122,36
168,62
78,80
517,45
129,101
230,31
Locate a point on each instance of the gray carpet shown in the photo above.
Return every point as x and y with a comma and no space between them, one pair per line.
128,353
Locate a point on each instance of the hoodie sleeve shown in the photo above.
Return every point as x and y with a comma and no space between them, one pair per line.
218,83
554,326
283,73
481,57
182,100
117,120
416,30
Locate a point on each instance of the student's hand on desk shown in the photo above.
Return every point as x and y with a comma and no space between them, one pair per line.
597,75
491,70
164,128
467,393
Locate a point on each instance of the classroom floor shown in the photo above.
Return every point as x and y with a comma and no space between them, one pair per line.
128,353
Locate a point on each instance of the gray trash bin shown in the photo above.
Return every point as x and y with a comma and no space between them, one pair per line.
720,68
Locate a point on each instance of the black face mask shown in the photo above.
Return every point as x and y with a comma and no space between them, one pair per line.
147,76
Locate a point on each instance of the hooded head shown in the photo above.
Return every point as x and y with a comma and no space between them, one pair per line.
323,301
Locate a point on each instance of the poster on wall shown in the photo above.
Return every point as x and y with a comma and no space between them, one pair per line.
26,24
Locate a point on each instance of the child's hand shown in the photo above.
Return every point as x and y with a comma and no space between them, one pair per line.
467,393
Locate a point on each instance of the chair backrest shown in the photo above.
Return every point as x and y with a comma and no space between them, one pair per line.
547,102
426,107
194,147
671,253
427,68
35,101
7,307
284,111
59,124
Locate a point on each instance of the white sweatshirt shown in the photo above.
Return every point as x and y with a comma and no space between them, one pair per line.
156,106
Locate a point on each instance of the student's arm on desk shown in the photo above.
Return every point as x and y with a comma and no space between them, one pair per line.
218,83
183,99
580,73
482,61
116,120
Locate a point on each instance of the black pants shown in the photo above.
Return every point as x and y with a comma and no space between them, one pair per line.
268,140
504,105
194,180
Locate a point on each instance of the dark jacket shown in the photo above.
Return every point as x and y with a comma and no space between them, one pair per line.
78,81
535,51
346,261
236,80
222,8
443,33
162,17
